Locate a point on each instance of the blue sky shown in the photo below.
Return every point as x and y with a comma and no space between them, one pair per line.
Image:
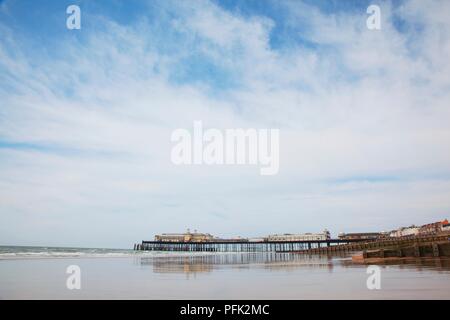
86,117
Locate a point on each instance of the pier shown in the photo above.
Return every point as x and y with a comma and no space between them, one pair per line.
242,246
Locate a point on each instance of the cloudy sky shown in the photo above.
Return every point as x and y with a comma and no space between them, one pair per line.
86,117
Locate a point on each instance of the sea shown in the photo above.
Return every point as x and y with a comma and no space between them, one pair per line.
96,273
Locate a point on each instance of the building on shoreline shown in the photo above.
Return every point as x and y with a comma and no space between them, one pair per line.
426,229
325,235
405,232
411,231
446,227
433,228
235,239
362,235
184,237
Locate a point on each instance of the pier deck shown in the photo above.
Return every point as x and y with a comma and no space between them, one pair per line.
241,246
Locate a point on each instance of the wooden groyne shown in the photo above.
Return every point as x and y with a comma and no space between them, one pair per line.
389,243
428,250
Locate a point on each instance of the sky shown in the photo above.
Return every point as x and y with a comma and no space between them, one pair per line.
86,117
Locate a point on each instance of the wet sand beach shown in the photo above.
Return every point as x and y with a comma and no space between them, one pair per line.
217,276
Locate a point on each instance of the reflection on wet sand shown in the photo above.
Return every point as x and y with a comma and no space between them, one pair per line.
420,264
209,262
192,264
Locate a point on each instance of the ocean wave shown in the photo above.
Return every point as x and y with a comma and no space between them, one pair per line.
35,253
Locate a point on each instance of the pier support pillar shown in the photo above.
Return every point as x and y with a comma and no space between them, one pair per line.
435,250
416,250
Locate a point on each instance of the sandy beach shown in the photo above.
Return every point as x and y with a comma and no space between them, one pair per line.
214,276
